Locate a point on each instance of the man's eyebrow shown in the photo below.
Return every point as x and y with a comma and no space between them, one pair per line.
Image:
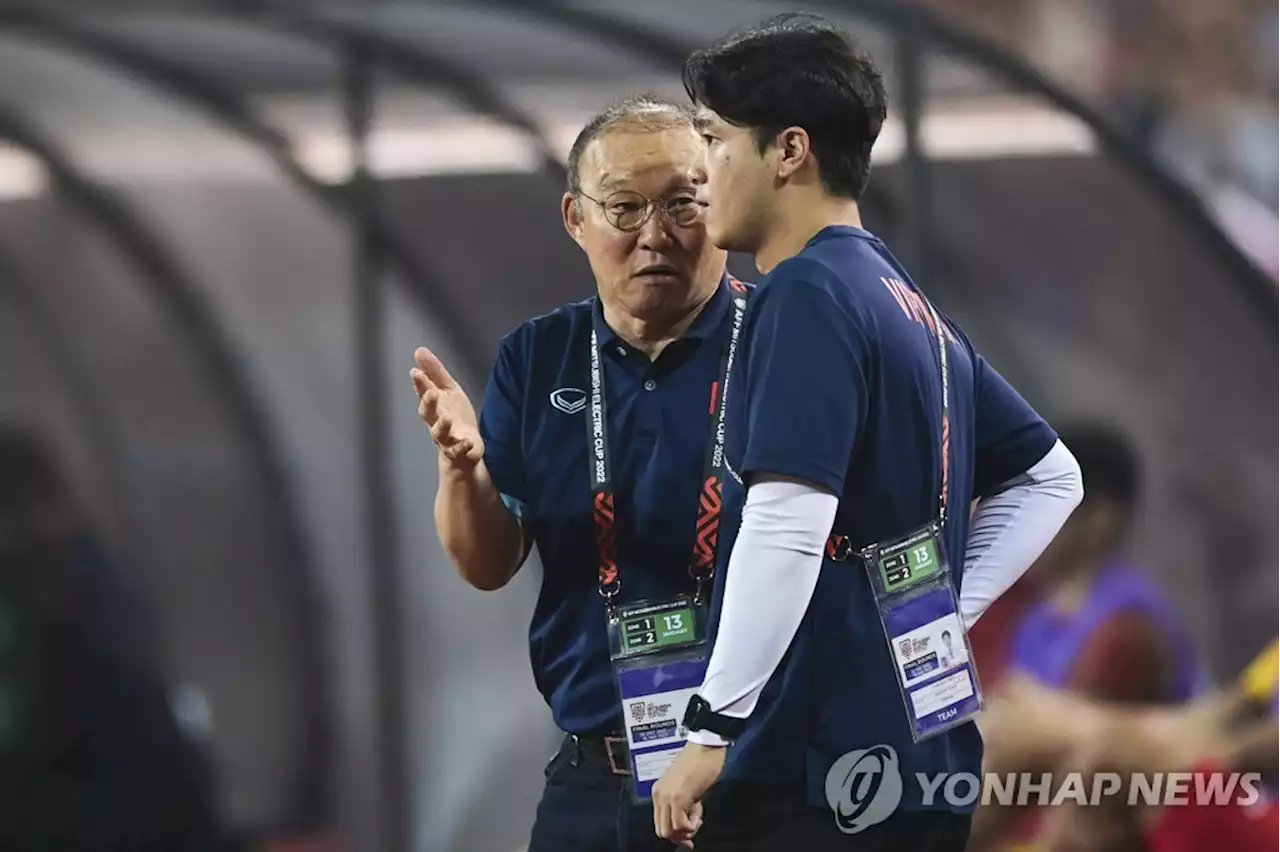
702,122
611,182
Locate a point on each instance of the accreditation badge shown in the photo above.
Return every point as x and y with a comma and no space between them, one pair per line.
660,658
911,581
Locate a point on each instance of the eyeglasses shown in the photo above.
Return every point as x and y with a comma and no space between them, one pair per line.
628,211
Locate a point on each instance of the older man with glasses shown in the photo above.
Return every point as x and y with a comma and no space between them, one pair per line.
601,442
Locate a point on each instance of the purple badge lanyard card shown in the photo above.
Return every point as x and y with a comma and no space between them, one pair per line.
658,647
911,580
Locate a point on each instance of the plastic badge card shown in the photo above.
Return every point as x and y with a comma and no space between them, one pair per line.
659,663
921,620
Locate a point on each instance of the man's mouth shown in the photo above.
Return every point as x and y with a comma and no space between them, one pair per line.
657,270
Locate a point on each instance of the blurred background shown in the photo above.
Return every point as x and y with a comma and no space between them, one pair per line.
225,620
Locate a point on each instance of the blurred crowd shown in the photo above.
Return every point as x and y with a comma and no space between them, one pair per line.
1192,81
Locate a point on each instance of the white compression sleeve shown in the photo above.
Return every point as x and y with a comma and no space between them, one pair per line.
1010,530
770,579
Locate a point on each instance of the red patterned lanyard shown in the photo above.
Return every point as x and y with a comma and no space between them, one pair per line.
702,565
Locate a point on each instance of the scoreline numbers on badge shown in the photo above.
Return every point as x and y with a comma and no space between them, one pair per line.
657,630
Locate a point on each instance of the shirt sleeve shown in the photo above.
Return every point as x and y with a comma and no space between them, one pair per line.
772,573
501,425
1010,530
1011,436
805,383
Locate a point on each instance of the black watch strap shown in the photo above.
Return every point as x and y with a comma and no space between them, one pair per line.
698,717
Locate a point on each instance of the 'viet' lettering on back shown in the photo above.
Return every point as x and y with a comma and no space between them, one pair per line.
913,305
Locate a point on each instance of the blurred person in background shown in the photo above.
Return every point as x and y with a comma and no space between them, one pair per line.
1034,729
615,524
1083,618
91,756
1100,626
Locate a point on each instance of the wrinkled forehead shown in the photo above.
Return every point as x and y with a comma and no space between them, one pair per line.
648,162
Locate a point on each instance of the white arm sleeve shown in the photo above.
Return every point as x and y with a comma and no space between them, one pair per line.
770,579
1010,530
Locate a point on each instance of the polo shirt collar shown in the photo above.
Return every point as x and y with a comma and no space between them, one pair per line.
834,231
705,325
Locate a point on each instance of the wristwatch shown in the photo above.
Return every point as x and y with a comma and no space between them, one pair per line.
698,717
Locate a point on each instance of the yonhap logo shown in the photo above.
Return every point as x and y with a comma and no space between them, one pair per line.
569,400
864,787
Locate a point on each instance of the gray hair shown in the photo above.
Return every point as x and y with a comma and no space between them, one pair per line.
647,113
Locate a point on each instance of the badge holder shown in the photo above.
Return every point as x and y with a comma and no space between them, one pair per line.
911,580
659,659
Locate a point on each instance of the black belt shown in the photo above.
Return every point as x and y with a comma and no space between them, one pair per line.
610,750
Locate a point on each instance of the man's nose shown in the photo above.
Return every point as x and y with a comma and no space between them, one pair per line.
656,231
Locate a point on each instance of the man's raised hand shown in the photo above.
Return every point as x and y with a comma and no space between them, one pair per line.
444,406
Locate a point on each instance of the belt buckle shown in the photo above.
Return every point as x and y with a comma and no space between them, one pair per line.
609,743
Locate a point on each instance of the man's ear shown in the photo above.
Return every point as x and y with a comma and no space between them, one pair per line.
794,151
571,212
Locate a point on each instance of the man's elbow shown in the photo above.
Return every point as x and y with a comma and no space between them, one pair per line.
484,571
1075,482
484,581
1059,473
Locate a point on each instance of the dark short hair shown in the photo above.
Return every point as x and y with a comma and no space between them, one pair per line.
797,70
646,113
1109,464
946,634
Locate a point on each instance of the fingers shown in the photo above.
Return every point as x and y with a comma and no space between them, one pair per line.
462,449
662,818
457,445
421,384
441,430
434,370
429,408
684,824
470,451
676,821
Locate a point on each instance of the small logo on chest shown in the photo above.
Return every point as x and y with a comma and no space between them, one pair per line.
569,400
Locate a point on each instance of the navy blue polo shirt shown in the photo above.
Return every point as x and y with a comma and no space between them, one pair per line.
535,433
840,385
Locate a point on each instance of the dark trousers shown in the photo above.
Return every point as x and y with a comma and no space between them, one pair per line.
585,807
742,817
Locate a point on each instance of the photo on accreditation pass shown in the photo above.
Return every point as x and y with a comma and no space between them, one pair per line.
935,647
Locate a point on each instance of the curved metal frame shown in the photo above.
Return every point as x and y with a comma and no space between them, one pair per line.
69,371
171,286
365,46
426,68
361,43
393,764
901,18
226,108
